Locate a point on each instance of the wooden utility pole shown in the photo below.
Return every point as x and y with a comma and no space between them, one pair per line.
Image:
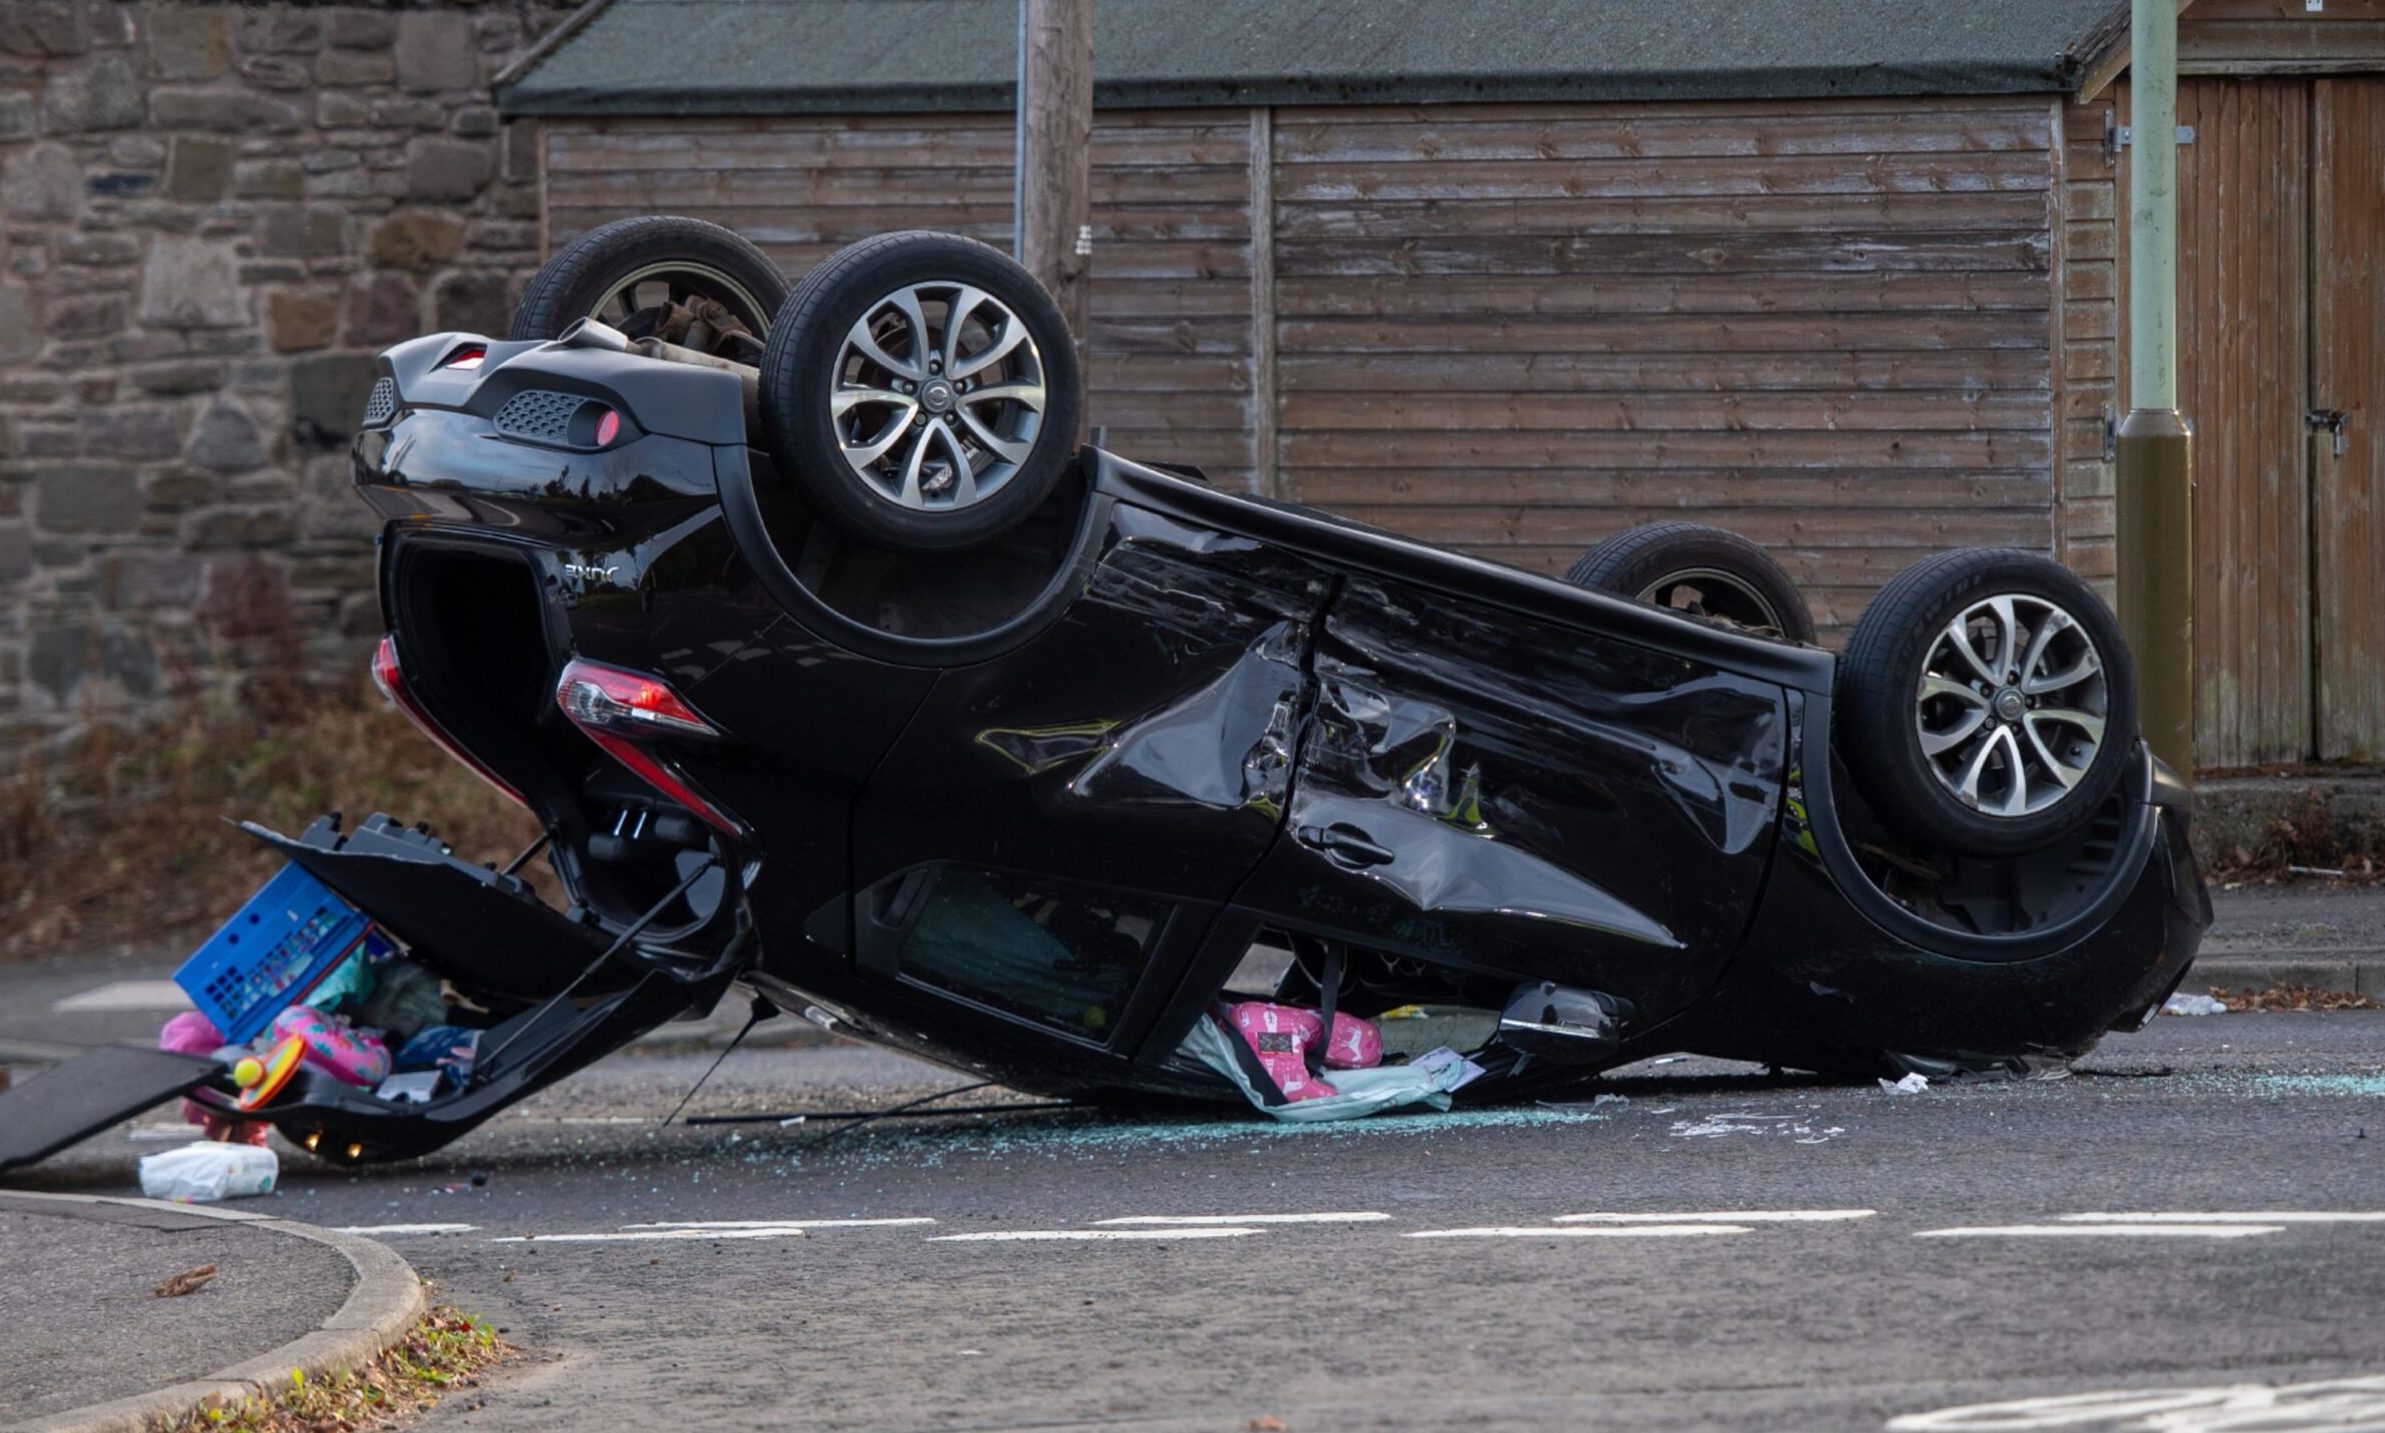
1055,157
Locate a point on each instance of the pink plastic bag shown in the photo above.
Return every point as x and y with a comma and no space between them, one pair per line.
1280,1035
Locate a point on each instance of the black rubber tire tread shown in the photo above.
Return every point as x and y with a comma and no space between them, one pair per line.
1636,558
567,287
806,337
1881,669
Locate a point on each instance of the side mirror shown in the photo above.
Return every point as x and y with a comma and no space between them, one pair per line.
1562,1024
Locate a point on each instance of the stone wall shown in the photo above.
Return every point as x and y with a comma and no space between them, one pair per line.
215,216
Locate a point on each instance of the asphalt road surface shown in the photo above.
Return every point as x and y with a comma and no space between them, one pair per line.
1716,1251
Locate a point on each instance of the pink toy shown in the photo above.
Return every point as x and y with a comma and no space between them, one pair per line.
1280,1035
333,1046
191,1033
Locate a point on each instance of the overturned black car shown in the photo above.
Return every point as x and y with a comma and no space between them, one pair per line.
841,675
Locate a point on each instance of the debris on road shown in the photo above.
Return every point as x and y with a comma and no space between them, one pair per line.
189,1281
2188,1003
1914,1084
206,1171
2292,997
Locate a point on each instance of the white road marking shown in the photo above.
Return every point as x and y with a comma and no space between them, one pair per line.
2307,1216
1579,1231
2331,1403
407,1228
626,1236
1013,1236
1743,1216
2055,1231
712,1229
782,1223
1197,1220
158,995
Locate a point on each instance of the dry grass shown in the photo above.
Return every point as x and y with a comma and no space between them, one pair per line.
446,1352
123,843
2291,997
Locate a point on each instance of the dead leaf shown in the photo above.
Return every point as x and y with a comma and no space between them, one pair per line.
1265,1423
189,1282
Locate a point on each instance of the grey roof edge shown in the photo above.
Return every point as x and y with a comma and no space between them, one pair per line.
531,56
1751,84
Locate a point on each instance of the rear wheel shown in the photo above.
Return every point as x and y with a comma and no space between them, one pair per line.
1986,702
921,392
1704,571
659,276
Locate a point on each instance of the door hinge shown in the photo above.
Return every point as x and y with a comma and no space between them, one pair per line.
2330,420
2117,137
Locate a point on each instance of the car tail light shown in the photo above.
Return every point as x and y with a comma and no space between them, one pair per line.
390,677
608,428
471,356
621,711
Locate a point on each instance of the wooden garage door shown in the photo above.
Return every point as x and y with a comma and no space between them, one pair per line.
2282,316
2243,339
2348,375
1169,357
1517,329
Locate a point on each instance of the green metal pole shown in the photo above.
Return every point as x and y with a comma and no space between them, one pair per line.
2154,475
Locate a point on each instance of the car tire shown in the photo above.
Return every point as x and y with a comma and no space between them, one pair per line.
1705,571
633,274
1986,702
867,392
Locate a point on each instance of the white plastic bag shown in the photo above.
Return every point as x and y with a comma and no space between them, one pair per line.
206,1170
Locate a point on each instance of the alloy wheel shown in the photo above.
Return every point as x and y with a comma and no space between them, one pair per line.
2011,705
937,396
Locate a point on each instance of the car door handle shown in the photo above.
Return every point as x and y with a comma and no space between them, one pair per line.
1346,845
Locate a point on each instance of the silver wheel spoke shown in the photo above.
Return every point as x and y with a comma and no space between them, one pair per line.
1959,638
1031,394
2054,765
1011,452
845,400
2070,676
2016,777
910,496
1968,786
863,455
1008,337
965,301
1937,686
2055,621
1939,743
2087,722
2008,641
964,477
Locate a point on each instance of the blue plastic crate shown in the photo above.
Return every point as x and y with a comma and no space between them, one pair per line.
271,952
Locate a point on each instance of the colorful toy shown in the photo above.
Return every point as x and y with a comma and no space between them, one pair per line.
272,1075
333,1046
1280,1035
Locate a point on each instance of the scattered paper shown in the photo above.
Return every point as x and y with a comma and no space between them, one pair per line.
1909,1085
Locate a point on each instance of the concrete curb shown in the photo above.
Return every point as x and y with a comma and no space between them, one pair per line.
385,1303
2358,972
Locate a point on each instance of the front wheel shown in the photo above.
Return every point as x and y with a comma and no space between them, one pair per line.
1703,571
662,276
1986,702
921,393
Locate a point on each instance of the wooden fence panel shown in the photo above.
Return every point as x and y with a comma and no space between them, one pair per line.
1168,361
1516,329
